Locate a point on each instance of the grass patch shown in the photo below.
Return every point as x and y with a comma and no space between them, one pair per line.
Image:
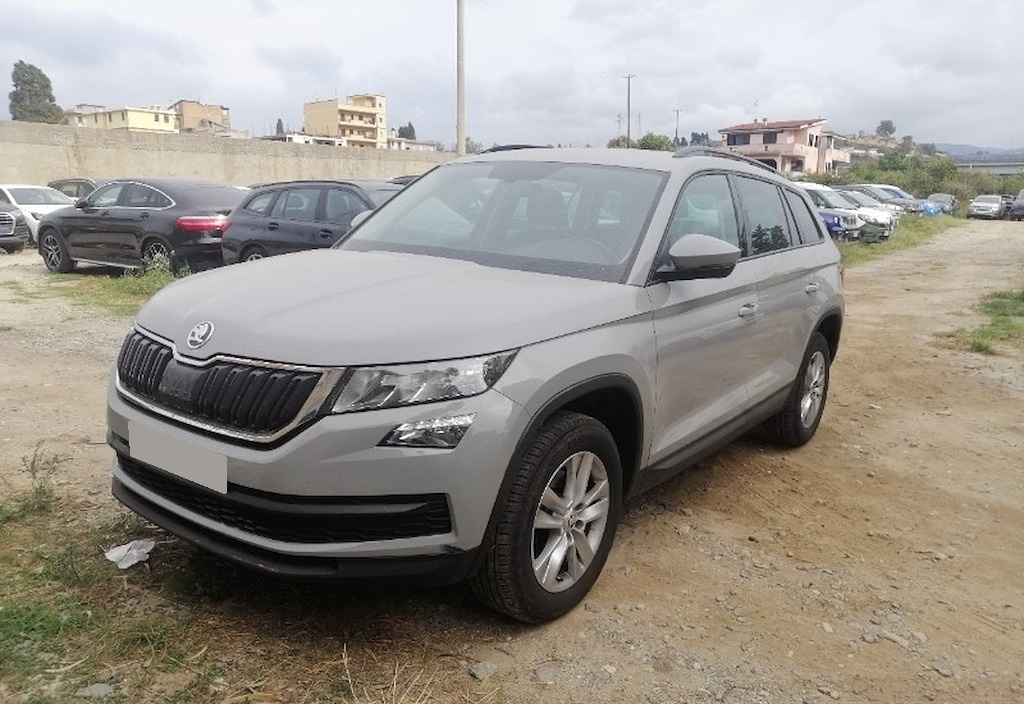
41,469
911,232
123,293
20,292
1004,328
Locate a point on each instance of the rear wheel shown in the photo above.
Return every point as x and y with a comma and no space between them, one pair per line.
55,252
798,420
254,253
556,526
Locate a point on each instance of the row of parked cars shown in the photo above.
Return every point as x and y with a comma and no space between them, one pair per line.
190,222
997,206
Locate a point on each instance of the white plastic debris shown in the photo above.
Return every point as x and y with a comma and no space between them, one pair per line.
124,556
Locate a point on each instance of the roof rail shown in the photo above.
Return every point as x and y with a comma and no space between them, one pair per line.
683,152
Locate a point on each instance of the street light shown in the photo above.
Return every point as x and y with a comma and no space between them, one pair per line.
629,80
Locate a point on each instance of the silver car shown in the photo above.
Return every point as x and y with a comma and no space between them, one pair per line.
471,384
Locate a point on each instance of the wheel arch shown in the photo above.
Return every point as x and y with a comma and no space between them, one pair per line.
831,326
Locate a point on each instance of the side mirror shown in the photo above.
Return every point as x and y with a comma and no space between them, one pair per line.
699,257
81,203
359,218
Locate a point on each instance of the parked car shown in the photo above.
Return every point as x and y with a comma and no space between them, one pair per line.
14,231
946,202
878,194
881,219
472,383
77,188
843,220
990,206
287,217
128,222
34,202
1017,207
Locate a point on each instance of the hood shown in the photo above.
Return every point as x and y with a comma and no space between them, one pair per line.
345,308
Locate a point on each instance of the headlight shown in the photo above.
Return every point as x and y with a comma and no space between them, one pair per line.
368,388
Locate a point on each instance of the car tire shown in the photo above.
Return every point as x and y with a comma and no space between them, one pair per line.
798,420
155,248
55,252
252,254
553,534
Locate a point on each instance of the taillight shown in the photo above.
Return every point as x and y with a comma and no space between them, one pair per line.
202,223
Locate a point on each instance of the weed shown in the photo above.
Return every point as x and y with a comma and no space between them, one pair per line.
123,293
41,468
1004,327
911,232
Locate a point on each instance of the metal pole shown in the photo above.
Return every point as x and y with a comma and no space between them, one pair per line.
460,120
676,145
629,81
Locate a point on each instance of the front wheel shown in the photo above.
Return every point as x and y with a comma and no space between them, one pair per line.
798,420
556,527
55,253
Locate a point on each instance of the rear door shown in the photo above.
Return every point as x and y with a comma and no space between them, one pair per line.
340,205
293,224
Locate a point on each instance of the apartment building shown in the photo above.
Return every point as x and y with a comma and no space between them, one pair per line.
194,116
359,120
151,119
791,146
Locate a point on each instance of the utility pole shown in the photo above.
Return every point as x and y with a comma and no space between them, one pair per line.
639,126
460,80
618,123
629,84
676,144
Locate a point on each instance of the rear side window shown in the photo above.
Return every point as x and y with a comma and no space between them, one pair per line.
705,206
341,205
767,227
806,221
140,196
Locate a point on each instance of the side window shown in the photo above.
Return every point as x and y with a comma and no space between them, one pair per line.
106,196
768,229
4,198
297,204
705,206
341,205
140,196
260,204
806,221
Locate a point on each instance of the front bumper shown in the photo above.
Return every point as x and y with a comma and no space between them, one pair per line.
330,502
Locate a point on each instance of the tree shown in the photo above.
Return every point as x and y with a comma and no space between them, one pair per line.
927,149
32,98
656,142
407,131
885,129
620,143
700,139
906,144
279,129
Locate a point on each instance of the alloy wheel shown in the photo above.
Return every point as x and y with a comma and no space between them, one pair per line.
814,389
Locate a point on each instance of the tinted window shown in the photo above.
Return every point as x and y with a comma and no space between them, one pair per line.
705,206
806,221
140,196
767,228
341,205
39,196
297,204
260,204
107,196
213,196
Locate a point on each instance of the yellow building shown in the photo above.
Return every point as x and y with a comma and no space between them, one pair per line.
194,116
152,119
361,120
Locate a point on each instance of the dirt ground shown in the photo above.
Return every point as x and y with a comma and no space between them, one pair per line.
882,562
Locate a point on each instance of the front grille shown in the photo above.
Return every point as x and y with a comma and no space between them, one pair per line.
301,519
6,224
243,397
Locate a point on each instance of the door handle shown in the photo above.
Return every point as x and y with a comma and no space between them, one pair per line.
272,226
143,216
326,234
748,311
811,288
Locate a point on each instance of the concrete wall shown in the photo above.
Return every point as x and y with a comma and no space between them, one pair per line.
37,153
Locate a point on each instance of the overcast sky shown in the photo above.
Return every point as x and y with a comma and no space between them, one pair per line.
546,71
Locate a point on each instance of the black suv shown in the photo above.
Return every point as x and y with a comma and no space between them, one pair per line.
284,217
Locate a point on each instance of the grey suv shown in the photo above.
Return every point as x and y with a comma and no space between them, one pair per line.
470,385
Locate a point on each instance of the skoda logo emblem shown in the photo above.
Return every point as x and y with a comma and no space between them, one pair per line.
199,335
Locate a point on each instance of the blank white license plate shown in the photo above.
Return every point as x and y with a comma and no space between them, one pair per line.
188,461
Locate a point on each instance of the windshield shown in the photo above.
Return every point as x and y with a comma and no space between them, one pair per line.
988,199
380,196
579,220
941,198
830,198
39,196
861,198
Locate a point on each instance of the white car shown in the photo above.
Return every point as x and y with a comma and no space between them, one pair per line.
827,197
34,202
